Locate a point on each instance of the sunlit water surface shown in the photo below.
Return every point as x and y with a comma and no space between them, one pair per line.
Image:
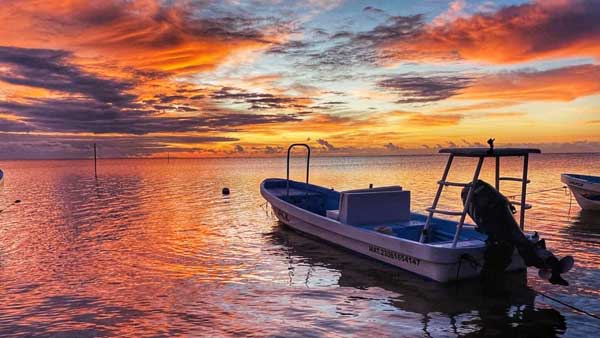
152,248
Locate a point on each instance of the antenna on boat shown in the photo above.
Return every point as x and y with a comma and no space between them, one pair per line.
490,141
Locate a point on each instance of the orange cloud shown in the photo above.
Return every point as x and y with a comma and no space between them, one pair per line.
502,115
477,107
319,123
533,31
142,34
433,120
561,84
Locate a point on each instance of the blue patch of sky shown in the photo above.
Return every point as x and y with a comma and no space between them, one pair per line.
352,17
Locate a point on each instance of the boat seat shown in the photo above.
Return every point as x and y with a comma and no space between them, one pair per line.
374,206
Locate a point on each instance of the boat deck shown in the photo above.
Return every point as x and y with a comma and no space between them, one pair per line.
321,201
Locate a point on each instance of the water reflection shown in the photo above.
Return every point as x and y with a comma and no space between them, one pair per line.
154,249
462,307
586,222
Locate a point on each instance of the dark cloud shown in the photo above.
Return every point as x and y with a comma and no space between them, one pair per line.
273,150
238,149
328,146
186,109
553,29
473,144
373,10
342,35
414,88
257,101
391,147
394,28
50,69
94,104
345,49
177,22
62,115
292,47
14,126
170,98
161,37
238,26
530,31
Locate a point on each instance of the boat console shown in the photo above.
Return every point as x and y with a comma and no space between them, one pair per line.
373,206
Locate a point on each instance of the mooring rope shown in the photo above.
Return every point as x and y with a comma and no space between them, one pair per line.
568,305
563,187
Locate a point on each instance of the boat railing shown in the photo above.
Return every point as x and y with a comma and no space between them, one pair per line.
287,182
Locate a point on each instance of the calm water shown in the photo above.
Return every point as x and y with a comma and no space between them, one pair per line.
152,248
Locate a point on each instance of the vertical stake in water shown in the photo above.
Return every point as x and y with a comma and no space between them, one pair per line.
95,166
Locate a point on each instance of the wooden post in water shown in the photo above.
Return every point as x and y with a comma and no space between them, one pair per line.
95,165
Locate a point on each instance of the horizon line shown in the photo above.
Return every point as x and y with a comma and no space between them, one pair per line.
320,155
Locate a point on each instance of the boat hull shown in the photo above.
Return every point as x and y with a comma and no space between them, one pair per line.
436,262
585,190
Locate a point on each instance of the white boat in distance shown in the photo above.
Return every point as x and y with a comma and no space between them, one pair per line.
377,222
585,188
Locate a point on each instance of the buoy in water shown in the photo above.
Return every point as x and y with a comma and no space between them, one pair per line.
225,191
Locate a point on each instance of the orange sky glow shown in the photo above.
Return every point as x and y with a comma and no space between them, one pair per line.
229,78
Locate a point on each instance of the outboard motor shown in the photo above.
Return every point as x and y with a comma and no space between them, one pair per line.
493,214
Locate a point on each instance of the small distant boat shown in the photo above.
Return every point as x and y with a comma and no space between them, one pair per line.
585,188
377,222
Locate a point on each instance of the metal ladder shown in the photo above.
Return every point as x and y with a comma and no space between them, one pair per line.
443,183
524,181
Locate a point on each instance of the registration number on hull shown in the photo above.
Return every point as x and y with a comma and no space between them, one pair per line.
394,255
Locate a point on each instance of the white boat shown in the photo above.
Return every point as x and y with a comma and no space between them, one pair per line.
585,188
377,222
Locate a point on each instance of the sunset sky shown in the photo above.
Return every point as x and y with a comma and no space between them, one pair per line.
247,78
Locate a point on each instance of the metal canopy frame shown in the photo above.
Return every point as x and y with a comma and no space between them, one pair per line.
481,154
287,182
